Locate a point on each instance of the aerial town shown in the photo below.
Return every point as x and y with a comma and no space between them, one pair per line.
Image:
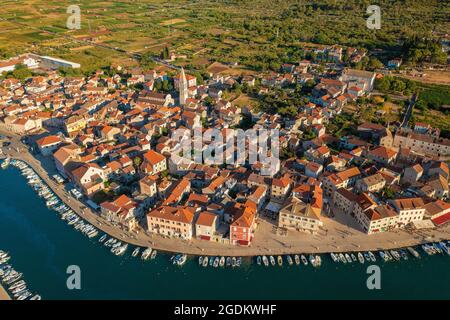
109,137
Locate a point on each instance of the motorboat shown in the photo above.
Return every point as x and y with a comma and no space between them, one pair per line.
265,261
360,257
353,257
289,260
205,262
297,259
222,262
334,257
238,261
228,262
342,258
153,254
304,260
403,254
272,260
413,252
216,262
258,260
372,256
233,262
280,261
136,252
200,260
146,254
348,258
395,255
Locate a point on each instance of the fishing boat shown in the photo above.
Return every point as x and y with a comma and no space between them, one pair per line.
304,260
289,260
222,262
265,261
153,255
272,261
395,255
353,257
228,263
233,262
372,256
360,257
146,254
205,262
280,261
348,258
200,260
135,252
258,260
297,259
342,258
413,252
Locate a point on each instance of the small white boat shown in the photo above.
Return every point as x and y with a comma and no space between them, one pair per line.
146,254
353,257
205,262
200,260
334,257
342,258
360,257
222,262
272,260
289,260
413,252
348,258
265,261
153,255
182,260
372,256
135,252
297,259
304,260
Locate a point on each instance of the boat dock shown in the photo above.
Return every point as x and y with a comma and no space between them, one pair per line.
3,294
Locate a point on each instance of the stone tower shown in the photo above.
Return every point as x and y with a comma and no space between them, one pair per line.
183,88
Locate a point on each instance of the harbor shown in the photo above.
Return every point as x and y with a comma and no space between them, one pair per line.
341,238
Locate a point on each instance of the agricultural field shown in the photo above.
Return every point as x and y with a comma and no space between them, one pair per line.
260,34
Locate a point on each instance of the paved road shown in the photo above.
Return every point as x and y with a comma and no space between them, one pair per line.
409,110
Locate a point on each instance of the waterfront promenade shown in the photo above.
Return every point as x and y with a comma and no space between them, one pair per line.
336,236
3,294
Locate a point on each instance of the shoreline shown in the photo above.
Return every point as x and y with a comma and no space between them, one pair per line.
3,294
343,239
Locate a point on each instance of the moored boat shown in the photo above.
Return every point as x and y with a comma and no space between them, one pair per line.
205,262
304,260
258,260
413,252
289,260
272,260
348,258
265,261
222,262
360,258
297,259
280,261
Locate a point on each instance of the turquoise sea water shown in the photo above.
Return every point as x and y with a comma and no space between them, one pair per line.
42,246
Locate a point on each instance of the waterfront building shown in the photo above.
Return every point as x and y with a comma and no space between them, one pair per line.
300,216
206,225
172,221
